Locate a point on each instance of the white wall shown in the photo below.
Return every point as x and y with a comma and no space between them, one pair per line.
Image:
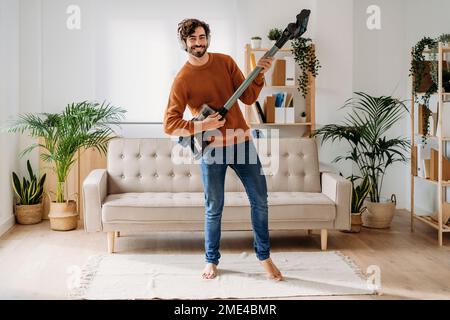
9,105
73,64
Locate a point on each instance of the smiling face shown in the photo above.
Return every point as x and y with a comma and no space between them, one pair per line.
197,42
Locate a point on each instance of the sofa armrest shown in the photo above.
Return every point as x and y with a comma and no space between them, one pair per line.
339,190
94,193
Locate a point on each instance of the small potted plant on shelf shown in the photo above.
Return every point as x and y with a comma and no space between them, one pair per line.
273,35
255,42
80,125
29,205
370,149
305,56
303,117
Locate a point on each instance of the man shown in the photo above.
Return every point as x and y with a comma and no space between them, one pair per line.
212,78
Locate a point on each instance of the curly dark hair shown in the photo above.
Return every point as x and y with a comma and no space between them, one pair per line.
188,26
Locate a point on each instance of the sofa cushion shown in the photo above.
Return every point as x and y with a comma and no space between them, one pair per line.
189,206
161,165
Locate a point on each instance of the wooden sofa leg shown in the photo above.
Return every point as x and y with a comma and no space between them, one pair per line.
110,236
323,239
117,235
309,232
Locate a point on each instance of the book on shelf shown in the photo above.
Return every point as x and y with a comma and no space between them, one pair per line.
260,111
283,100
279,73
289,100
252,61
290,71
256,115
269,109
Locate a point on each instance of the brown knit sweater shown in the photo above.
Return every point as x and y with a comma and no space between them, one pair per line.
213,84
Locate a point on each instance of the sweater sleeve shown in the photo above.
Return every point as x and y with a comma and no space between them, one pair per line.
251,94
173,123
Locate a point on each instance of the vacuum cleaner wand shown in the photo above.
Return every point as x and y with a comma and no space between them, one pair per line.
292,31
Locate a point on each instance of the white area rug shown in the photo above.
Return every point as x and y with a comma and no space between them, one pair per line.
150,276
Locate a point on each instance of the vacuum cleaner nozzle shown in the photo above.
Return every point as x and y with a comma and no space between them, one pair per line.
299,28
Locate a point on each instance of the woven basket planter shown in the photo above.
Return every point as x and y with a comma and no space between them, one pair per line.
29,214
63,215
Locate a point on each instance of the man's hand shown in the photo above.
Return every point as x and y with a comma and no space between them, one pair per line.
212,122
265,63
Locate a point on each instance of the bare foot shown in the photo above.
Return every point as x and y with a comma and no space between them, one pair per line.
210,271
271,269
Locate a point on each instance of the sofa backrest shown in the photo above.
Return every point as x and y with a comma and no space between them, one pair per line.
161,165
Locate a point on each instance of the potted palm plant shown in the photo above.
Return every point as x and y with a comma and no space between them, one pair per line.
28,207
370,149
83,124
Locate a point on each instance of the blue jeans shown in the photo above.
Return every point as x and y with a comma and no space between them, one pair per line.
244,160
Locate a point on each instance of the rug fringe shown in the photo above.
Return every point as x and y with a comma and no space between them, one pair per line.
357,269
87,274
352,265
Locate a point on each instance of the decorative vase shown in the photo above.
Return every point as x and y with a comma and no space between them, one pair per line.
63,215
272,42
255,43
28,214
379,215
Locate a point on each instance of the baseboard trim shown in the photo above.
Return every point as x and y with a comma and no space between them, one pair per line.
7,224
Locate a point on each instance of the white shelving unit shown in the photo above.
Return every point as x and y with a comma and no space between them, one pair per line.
441,141
309,106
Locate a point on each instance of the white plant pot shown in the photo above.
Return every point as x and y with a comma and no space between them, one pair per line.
255,44
272,43
303,119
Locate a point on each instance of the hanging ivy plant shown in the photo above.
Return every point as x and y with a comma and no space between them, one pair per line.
418,69
305,57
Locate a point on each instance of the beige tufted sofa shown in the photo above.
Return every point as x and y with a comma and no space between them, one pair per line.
142,190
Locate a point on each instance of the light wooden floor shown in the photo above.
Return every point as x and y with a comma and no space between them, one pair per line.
34,260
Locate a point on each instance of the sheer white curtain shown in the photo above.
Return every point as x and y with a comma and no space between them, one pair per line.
138,58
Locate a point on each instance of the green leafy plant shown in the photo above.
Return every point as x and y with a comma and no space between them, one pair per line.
303,114
83,124
359,193
365,131
28,192
417,71
305,56
274,34
256,38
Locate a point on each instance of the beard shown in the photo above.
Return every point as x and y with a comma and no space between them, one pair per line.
197,51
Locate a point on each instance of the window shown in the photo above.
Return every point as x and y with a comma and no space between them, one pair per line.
137,60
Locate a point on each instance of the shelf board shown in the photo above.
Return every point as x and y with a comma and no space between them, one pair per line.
428,220
426,180
281,124
416,135
267,49
445,49
280,87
